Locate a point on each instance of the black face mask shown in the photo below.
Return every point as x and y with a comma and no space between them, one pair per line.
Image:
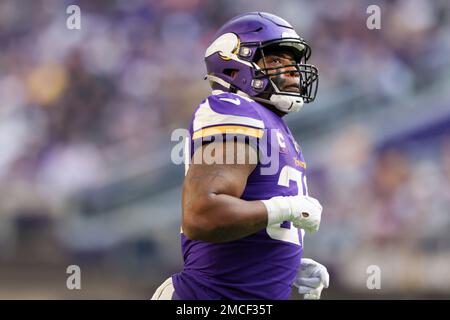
307,74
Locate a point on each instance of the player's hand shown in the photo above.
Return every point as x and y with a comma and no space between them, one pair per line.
312,277
306,213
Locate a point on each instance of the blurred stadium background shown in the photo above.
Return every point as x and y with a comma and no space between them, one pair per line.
86,118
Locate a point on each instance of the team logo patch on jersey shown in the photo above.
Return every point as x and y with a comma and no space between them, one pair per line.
299,163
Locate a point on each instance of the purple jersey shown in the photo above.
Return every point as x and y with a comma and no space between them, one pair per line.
263,265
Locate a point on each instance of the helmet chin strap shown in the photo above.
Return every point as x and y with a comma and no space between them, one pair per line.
287,103
283,103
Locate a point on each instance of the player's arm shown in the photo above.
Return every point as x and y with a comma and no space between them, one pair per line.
212,208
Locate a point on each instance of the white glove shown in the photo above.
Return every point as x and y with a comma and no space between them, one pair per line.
312,277
305,212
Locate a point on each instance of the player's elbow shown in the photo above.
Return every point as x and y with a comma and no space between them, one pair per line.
194,229
194,232
198,222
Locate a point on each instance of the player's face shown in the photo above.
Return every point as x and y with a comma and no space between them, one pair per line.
288,81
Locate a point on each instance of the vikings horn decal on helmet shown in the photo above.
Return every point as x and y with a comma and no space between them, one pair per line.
237,46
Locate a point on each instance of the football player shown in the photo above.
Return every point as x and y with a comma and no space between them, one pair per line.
242,227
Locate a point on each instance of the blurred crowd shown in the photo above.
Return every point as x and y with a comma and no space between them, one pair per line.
77,106
387,206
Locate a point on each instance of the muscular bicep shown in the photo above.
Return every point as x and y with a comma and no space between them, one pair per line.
219,168
212,208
